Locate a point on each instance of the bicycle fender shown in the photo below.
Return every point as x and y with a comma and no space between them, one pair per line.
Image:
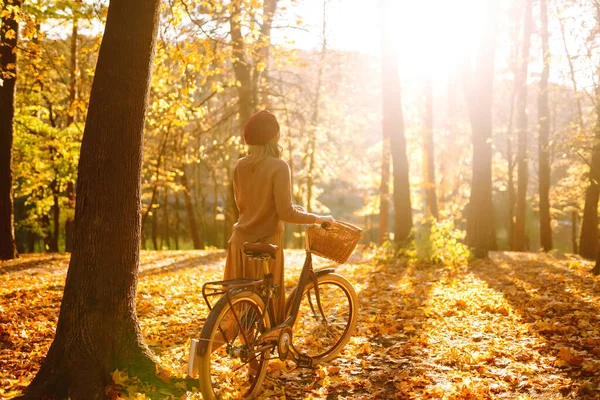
324,271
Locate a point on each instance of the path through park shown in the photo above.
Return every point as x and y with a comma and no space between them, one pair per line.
517,326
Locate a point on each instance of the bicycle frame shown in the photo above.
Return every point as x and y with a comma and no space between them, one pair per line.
265,288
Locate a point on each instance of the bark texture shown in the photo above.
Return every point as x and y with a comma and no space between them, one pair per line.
98,330
8,57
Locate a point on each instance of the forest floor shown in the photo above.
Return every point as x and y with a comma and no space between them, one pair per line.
516,326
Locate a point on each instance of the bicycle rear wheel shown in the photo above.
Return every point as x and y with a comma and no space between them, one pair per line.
231,364
323,339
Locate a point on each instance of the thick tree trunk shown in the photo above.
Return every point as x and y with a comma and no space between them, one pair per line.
431,202
196,239
8,43
544,133
393,127
481,229
520,236
98,330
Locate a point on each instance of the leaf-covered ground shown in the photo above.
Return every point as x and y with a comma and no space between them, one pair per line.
516,326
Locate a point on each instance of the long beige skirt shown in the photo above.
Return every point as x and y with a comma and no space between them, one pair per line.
238,265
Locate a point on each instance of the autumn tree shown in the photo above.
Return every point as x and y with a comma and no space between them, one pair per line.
9,32
481,230
98,330
520,237
393,128
73,116
311,146
431,201
588,242
544,132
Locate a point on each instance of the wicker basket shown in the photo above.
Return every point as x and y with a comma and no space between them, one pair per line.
336,242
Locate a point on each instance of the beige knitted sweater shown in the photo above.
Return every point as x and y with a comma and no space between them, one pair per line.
264,199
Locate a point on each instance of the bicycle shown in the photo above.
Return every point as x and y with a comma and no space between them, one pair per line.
238,339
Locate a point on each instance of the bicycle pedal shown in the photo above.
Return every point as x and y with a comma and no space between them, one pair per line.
304,361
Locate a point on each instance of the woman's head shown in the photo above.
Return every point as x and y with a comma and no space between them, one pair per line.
261,134
261,128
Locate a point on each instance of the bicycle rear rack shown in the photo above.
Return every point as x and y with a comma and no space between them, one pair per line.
219,288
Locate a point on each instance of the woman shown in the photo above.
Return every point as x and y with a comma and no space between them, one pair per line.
262,188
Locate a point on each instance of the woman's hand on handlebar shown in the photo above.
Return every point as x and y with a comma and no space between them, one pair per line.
325,220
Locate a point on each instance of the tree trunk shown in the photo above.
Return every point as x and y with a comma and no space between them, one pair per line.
588,242
69,223
431,203
31,239
146,213
73,94
520,236
177,220
261,56
98,330
481,230
165,230
241,67
8,249
448,162
544,133
511,185
569,59
71,118
55,216
393,128
574,218
154,233
512,196
196,239
384,192
315,116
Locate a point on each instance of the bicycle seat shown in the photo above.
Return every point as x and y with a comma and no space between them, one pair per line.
259,250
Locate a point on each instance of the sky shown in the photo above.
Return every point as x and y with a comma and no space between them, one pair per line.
429,34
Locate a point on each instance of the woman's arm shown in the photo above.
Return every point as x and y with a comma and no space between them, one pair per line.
283,199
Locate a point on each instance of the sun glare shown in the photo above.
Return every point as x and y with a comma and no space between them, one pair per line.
431,35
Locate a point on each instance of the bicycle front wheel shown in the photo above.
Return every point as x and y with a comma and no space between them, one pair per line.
232,365
318,337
